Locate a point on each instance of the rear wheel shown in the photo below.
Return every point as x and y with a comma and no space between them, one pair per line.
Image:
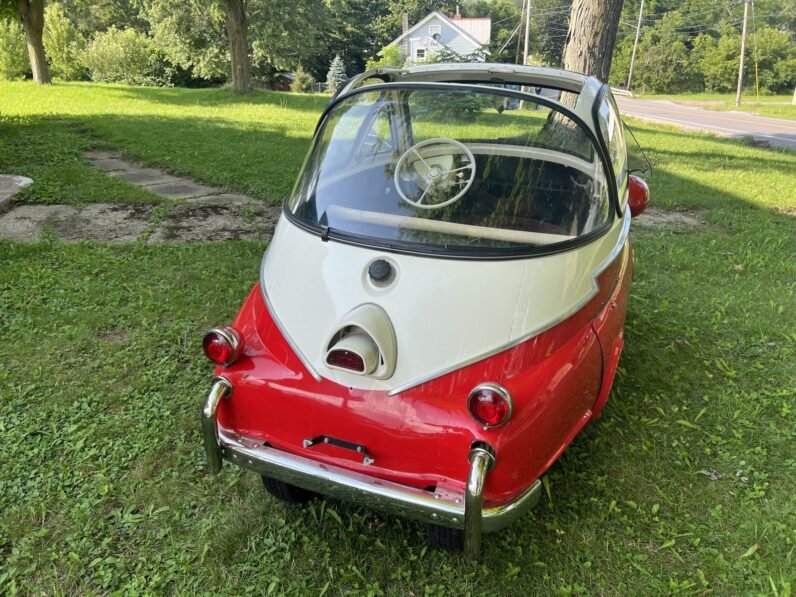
287,492
445,538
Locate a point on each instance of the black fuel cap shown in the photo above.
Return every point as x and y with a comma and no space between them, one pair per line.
379,270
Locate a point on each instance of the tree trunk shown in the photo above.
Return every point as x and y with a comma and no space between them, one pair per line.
590,42
31,12
238,45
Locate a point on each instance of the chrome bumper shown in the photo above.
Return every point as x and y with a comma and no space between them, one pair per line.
441,508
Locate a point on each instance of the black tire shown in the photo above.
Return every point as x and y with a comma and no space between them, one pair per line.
445,538
287,492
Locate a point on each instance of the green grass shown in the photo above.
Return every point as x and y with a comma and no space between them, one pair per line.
252,145
686,483
775,106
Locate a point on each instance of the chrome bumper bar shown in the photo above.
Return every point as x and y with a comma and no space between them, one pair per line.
441,508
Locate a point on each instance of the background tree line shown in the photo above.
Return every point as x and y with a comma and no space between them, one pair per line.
696,45
690,45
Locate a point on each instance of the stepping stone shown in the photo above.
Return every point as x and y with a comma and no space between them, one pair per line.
108,222
25,224
224,199
182,189
203,223
144,177
10,185
111,164
102,154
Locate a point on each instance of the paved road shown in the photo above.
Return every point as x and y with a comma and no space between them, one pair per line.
778,132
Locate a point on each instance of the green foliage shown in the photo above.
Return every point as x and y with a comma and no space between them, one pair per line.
390,56
777,59
303,83
285,33
13,52
125,56
63,43
336,75
696,45
719,60
190,35
348,33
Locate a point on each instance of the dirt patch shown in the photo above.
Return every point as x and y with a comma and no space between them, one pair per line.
208,222
654,217
113,335
108,222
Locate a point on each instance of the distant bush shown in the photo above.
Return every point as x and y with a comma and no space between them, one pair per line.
336,76
303,83
13,52
64,44
124,56
389,56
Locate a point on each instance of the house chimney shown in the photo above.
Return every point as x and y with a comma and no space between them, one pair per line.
404,29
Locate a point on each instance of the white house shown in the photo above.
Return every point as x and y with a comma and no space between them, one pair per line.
437,31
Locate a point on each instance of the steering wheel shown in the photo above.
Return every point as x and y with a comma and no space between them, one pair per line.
443,170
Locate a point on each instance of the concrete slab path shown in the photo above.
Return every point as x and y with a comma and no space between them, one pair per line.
198,213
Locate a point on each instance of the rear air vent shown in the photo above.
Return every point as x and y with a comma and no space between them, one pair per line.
363,343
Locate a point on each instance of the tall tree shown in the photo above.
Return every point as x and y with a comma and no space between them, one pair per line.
238,45
31,13
590,41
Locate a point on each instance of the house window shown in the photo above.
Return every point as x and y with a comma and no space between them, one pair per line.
420,54
434,30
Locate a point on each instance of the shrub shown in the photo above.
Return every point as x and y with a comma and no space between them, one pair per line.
303,83
389,56
64,44
336,75
13,52
124,56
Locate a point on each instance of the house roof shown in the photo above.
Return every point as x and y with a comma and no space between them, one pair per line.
456,24
479,28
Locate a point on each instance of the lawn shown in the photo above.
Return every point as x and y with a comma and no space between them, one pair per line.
775,106
686,483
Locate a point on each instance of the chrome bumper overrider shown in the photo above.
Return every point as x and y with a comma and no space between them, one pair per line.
442,508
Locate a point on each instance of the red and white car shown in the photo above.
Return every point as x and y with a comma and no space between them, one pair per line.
441,308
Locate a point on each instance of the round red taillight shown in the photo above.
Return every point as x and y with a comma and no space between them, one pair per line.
638,195
221,345
490,405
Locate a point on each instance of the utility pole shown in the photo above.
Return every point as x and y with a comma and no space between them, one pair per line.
527,30
527,5
743,52
635,45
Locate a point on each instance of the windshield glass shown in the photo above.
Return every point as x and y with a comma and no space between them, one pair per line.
451,169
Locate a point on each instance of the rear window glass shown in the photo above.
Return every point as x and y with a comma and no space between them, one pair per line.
453,169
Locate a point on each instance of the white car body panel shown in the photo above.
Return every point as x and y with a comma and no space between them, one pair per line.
446,312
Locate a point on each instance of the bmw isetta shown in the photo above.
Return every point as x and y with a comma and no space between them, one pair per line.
441,308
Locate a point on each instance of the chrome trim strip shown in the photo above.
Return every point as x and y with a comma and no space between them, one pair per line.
551,324
221,389
504,393
394,498
304,360
481,462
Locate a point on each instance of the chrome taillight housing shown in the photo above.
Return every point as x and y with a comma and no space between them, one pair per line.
222,345
490,405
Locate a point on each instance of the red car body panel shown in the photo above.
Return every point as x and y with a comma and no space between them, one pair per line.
421,437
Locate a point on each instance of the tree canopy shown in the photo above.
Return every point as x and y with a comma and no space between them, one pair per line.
685,45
